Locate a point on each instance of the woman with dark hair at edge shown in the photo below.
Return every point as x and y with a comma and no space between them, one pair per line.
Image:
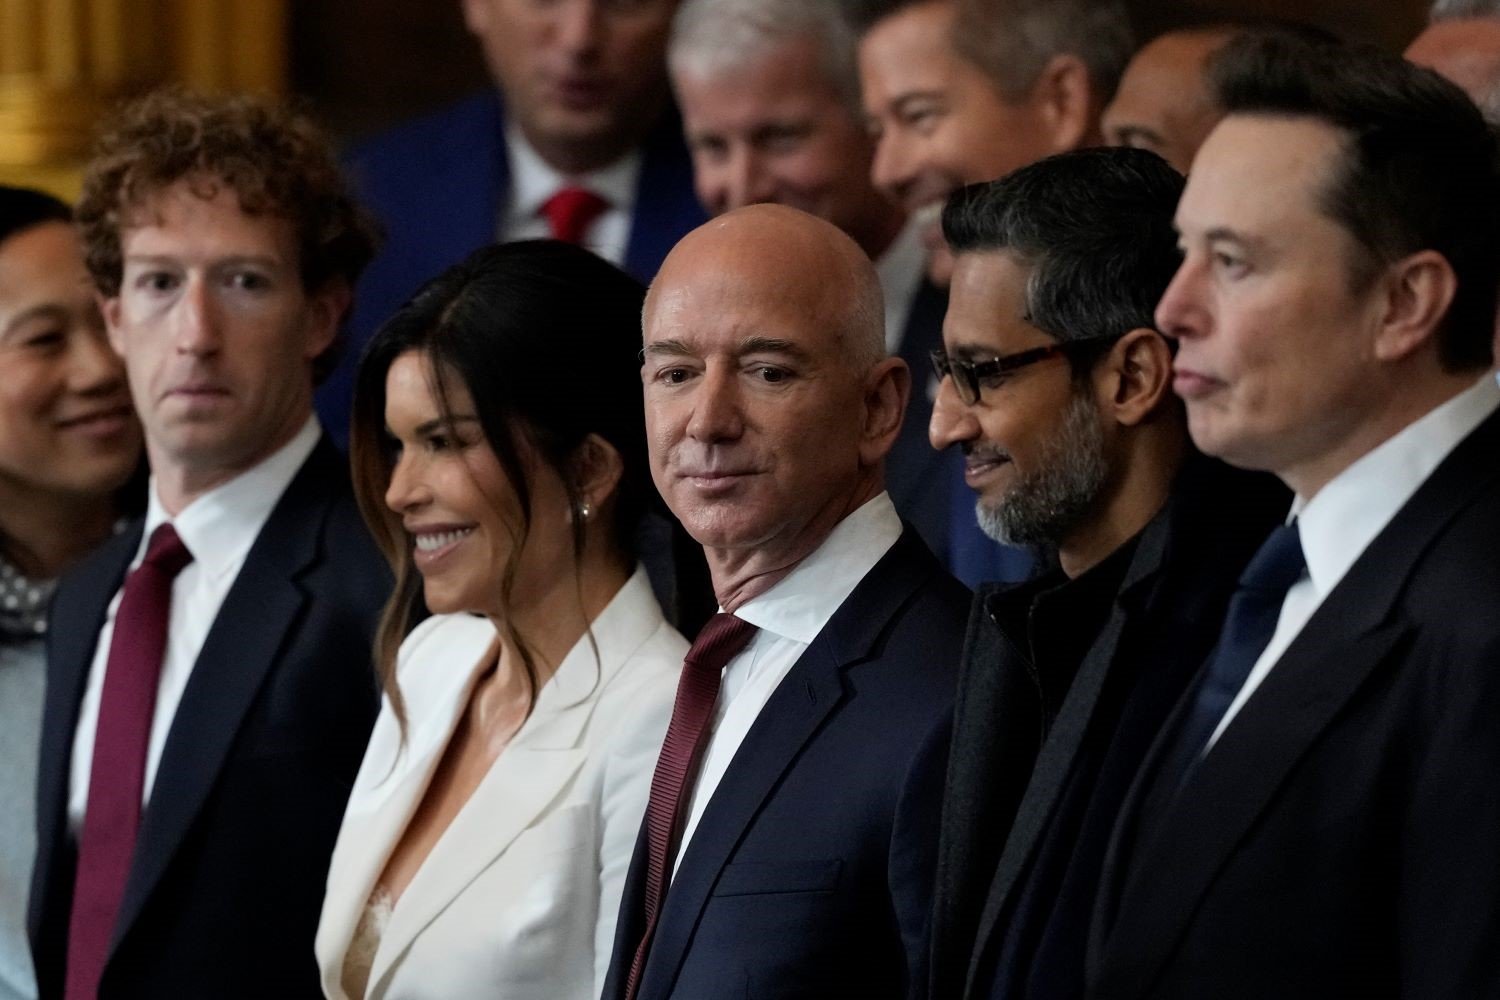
500,459
69,450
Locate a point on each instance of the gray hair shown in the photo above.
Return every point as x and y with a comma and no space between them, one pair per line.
1452,10
710,35
1012,40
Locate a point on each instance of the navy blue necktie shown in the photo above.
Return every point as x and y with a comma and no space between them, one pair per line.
1248,627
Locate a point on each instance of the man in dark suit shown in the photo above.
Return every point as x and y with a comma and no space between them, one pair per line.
788,841
203,728
769,92
578,141
1058,390
1320,814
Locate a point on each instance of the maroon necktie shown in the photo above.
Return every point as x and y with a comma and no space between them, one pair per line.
571,211
117,775
687,734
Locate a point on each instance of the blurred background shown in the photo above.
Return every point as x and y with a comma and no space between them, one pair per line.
359,65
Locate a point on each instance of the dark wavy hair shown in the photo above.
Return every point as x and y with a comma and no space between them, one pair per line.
545,337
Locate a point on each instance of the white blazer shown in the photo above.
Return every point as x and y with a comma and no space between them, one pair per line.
519,896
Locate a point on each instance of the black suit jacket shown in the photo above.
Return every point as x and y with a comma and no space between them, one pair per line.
809,874
1340,839
227,881
916,474
1017,733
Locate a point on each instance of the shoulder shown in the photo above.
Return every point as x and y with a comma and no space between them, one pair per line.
468,130
635,703
444,645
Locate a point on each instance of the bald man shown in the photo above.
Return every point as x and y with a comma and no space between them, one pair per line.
795,857
1462,42
1164,102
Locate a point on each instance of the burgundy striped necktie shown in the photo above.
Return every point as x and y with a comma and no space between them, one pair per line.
687,735
571,211
117,775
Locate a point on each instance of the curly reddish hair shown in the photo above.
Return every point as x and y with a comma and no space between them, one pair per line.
275,159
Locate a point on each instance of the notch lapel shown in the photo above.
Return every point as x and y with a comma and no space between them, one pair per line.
241,649
808,694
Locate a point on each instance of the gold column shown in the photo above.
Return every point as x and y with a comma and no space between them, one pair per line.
63,62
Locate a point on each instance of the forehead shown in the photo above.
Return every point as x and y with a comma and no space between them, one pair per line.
715,303
987,303
1166,73
908,51
38,262
197,218
1260,171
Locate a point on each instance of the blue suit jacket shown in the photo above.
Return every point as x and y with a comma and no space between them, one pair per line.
809,874
437,186
227,880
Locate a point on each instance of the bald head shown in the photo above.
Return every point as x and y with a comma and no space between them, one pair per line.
1465,50
1164,102
763,253
769,403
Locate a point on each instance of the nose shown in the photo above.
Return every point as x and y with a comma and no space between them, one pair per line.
406,490
94,369
891,167
1182,310
745,183
580,26
716,414
952,422
197,319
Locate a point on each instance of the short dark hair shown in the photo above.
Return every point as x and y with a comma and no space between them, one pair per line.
22,208
545,337
1011,41
1093,225
863,15
1420,168
274,158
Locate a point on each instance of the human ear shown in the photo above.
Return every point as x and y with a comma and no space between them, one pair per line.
109,308
1136,377
1418,292
595,469
1064,95
886,390
326,308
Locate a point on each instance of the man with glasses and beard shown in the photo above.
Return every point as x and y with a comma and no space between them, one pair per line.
1058,389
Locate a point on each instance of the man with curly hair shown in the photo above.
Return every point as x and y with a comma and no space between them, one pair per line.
209,687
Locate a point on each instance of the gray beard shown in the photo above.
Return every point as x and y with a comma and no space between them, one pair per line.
1042,508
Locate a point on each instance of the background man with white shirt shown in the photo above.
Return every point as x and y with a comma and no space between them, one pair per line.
577,141
1319,817
769,91
787,847
210,689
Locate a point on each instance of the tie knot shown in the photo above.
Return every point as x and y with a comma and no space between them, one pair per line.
1278,563
570,212
166,551
723,636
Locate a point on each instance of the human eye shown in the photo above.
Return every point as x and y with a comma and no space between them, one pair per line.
990,374
672,375
248,280
1230,264
156,281
921,116
44,339
770,374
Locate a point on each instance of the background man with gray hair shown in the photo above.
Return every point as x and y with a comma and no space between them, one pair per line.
769,92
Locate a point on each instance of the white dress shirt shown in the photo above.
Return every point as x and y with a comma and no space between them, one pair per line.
1341,520
218,528
789,617
533,181
901,269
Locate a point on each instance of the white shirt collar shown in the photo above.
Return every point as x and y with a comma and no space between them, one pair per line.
533,180
901,269
219,526
803,601
1344,517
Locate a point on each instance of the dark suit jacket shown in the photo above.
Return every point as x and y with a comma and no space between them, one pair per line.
809,874
1018,732
1340,838
437,185
915,472
227,882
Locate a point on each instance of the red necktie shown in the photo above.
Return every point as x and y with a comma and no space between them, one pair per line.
571,211
687,734
118,772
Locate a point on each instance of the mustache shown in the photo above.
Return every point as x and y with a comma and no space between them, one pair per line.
981,452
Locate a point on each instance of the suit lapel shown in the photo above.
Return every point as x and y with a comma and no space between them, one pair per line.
805,698
666,206
240,650
1355,632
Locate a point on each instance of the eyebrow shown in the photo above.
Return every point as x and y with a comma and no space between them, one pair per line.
673,348
442,423
47,310
262,260
1223,234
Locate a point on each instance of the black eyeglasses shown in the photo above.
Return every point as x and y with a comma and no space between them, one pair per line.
969,377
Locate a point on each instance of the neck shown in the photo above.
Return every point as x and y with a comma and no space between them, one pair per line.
1137,489
178,481
45,534
583,156
741,574
1405,402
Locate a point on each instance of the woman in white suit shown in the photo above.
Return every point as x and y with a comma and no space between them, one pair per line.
499,458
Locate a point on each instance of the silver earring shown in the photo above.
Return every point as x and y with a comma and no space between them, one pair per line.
584,510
